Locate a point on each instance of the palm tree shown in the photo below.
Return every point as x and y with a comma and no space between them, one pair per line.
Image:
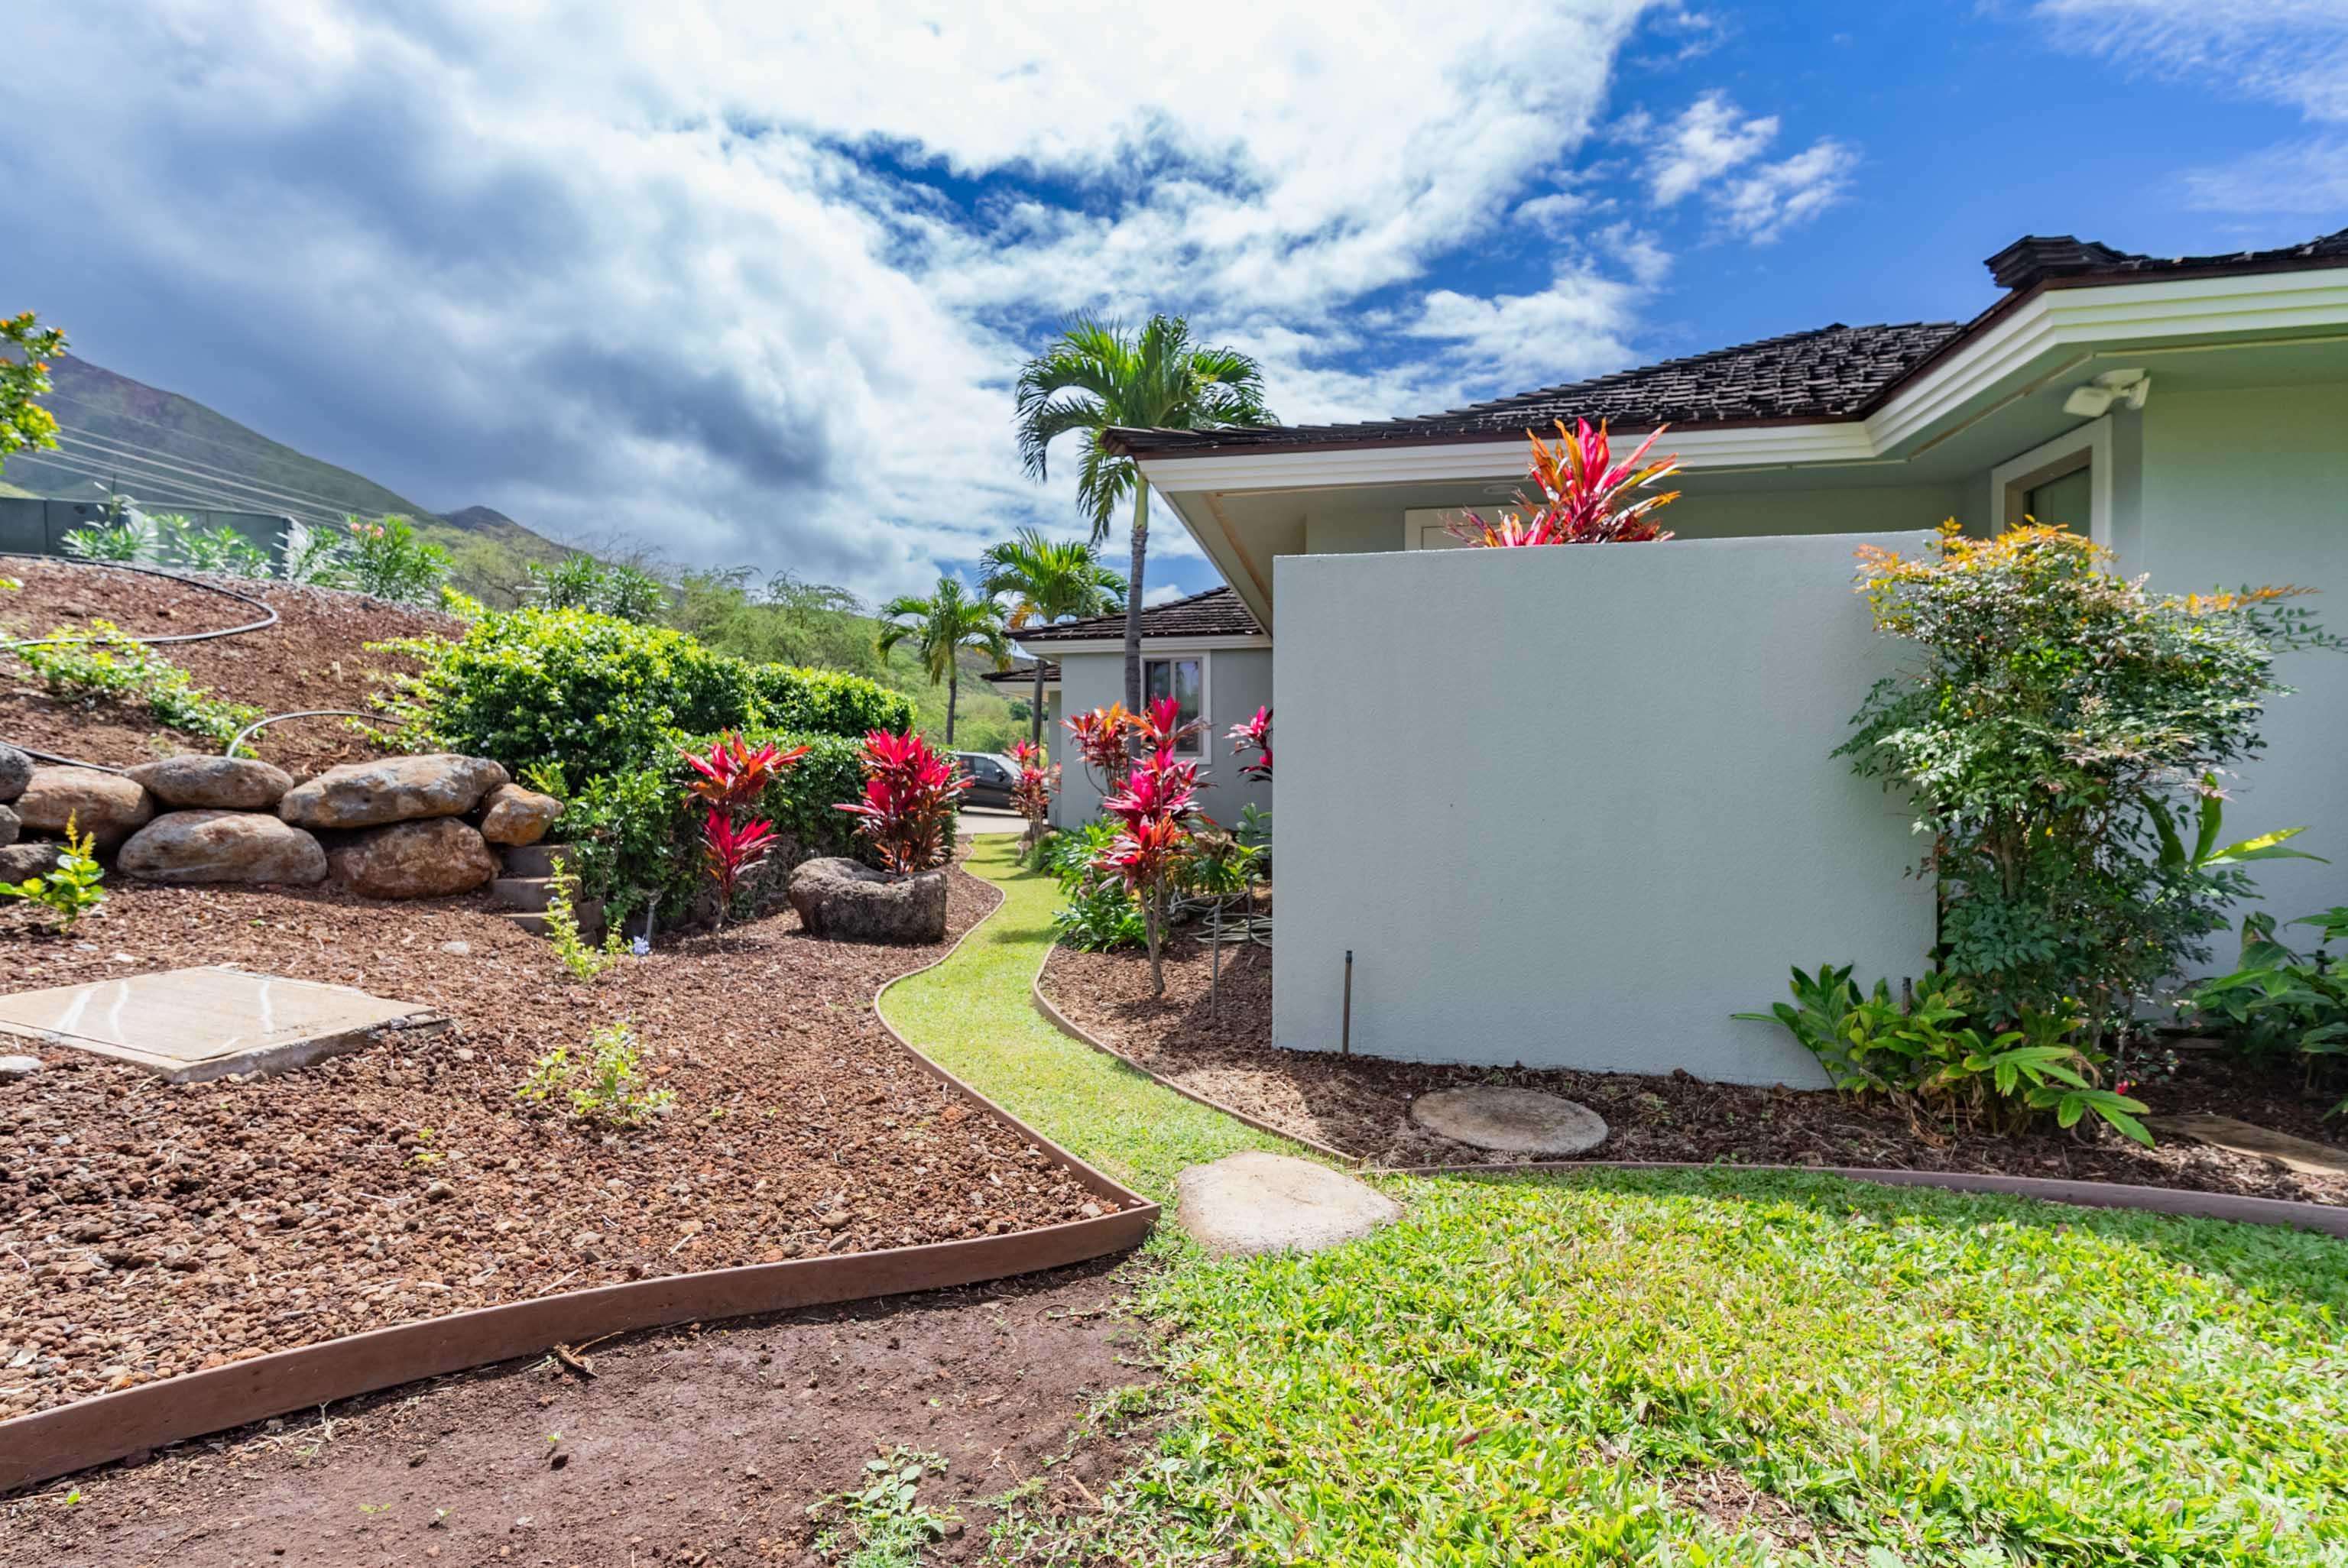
1049,581
1097,375
941,627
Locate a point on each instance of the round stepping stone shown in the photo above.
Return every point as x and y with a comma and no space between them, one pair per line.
1511,1121
1252,1202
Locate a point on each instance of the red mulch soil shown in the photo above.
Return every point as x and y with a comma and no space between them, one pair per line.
147,1229
314,657
696,1446
1363,1105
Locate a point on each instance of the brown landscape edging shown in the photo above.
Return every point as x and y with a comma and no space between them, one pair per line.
1075,1031
2329,1219
49,1444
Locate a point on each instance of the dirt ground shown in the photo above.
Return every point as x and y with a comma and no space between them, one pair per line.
1363,1106
701,1446
316,657
148,1229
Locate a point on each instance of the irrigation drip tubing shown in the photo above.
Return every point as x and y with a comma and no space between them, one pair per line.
269,619
269,616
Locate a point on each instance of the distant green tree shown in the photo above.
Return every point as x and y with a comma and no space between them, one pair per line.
940,627
23,376
1097,376
1049,581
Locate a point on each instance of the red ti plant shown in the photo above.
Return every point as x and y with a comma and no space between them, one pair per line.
729,851
1154,808
1100,737
1255,736
1031,797
910,792
730,780
1587,497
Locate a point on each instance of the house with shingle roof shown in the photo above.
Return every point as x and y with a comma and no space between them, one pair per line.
1522,788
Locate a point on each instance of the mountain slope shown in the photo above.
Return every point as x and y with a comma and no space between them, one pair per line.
168,450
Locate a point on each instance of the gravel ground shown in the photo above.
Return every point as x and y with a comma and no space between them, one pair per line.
314,657
1363,1105
701,1446
147,1229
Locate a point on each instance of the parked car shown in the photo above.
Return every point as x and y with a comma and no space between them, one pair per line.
991,777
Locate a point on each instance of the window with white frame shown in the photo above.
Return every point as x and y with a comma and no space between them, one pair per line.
2068,481
1182,677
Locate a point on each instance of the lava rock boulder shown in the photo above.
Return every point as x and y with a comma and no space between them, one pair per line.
107,806
430,859
848,901
515,816
214,783
389,790
16,772
222,847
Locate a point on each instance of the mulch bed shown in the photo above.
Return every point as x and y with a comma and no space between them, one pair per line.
314,657
700,1446
147,1229
1363,1105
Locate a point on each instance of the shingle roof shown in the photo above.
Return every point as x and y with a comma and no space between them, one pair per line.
1828,373
1217,613
1022,675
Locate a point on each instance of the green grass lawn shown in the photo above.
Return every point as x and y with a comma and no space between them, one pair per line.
973,1016
1567,1369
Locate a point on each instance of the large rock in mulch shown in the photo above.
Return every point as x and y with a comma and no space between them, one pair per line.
1252,1202
11,825
1512,1121
415,860
222,847
518,816
848,901
16,772
214,783
18,861
107,806
391,789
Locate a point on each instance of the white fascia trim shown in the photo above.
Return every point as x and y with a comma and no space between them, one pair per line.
2053,319
1158,647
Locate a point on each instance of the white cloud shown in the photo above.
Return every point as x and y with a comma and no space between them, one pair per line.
1706,141
2294,51
685,274
1762,205
2303,178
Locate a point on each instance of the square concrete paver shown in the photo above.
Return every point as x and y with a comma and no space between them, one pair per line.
189,1025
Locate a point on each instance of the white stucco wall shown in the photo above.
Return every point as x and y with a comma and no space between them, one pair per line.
1239,679
2250,486
1574,807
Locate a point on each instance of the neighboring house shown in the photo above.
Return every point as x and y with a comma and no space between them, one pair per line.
1574,807
1208,651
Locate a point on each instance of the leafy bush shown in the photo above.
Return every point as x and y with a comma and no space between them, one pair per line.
826,702
608,1088
1100,915
2053,713
636,834
387,558
127,539
71,890
905,812
106,662
2278,999
1586,496
591,694
223,549
1928,1057
577,955
603,588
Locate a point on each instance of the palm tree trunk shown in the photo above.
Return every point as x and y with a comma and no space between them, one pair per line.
1133,595
1036,711
953,698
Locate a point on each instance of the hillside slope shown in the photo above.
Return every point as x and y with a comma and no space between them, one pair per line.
167,450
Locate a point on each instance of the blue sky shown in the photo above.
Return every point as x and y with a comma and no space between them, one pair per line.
744,283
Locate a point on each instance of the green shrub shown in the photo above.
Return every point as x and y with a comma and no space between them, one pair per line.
389,560
1100,914
106,662
2280,1002
589,694
69,891
582,582
636,833
828,701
